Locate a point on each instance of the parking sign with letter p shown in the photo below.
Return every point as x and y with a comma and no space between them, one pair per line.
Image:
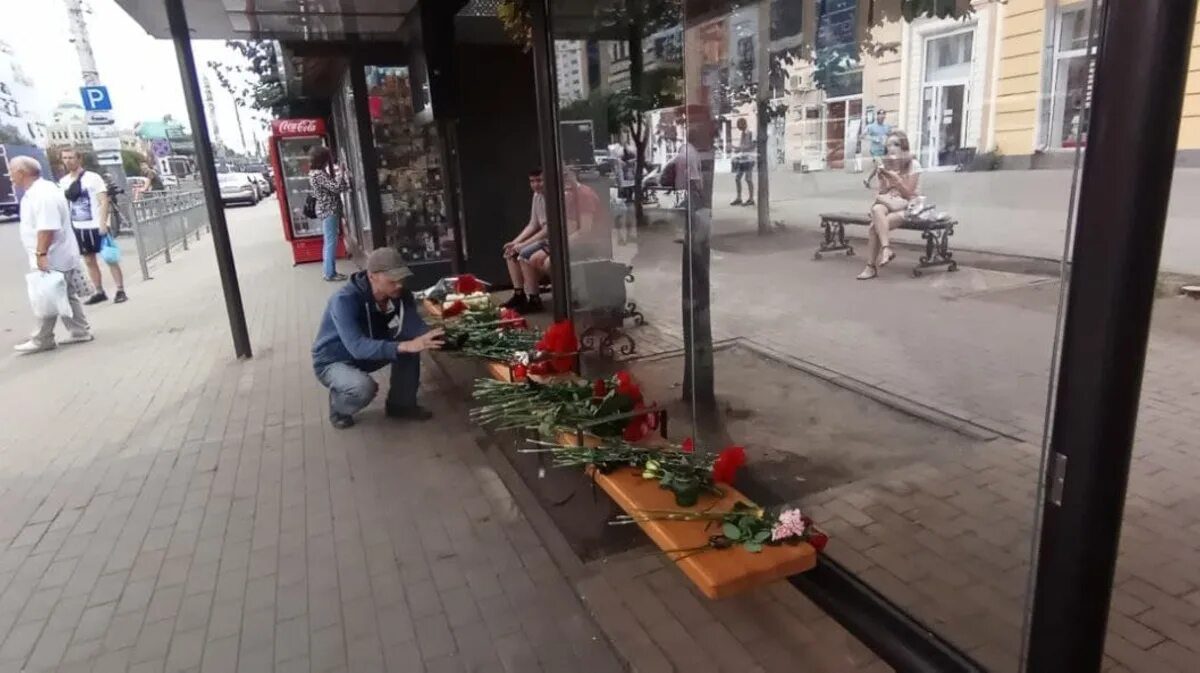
95,98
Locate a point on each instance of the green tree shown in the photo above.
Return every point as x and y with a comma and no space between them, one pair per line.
131,161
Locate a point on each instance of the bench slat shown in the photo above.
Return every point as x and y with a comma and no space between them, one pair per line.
718,573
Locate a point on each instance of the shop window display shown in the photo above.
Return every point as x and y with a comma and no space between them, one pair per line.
409,170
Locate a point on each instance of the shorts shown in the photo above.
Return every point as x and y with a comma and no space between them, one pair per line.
89,241
743,166
530,250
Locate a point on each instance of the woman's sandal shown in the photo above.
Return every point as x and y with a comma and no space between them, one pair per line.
886,255
867,273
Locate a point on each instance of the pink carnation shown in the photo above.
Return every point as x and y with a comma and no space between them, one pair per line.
790,524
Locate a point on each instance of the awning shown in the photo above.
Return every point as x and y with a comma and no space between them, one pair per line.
290,20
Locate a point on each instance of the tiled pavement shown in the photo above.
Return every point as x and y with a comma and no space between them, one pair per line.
166,508
949,540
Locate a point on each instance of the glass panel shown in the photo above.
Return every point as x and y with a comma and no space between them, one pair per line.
409,167
293,158
886,382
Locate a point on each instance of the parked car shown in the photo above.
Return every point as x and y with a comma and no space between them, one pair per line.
264,187
237,188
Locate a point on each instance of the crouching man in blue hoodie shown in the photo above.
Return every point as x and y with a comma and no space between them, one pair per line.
369,323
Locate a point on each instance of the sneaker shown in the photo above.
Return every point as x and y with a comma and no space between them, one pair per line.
534,305
120,297
413,413
341,421
32,346
78,338
337,277
736,202
96,298
517,301
748,203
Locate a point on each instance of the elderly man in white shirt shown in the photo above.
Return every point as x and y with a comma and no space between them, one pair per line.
48,239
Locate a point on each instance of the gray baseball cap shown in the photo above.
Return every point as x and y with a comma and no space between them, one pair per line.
387,261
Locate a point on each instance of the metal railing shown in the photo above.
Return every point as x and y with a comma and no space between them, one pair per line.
161,221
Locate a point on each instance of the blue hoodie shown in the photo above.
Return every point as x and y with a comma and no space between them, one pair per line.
354,330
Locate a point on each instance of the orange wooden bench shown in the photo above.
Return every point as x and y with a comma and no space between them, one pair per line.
719,573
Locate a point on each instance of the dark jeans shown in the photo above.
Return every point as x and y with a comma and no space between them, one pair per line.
351,389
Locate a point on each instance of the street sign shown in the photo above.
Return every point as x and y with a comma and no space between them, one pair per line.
99,117
106,144
95,98
108,157
160,148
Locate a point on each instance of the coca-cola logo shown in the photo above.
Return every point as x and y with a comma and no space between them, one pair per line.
299,127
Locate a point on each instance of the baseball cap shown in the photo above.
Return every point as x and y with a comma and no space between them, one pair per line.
387,261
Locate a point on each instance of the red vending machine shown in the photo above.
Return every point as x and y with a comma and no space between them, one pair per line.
291,140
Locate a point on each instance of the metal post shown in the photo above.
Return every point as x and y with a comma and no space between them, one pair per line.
1141,71
166,238
177,19
547,113
135,222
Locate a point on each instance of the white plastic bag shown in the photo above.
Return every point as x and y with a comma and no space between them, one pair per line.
48,293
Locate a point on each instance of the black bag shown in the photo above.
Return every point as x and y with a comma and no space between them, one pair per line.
310,207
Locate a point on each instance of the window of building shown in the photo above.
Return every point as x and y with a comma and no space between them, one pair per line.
1071,87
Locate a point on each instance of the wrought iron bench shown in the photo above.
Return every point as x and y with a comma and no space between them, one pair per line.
936,233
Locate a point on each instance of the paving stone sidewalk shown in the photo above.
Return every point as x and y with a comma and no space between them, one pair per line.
166,508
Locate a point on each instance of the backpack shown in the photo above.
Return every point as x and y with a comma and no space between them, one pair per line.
310,207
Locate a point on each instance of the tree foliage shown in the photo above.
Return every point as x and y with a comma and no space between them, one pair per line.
259,85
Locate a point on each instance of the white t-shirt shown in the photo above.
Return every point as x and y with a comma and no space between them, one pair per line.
44,208
689,157
85,210
537,210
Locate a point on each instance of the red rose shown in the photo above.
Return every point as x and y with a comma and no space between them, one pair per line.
514,319
726,465
688,446
626,387
466,284
818,540
454,309
635,431
599,390
520,372
539,368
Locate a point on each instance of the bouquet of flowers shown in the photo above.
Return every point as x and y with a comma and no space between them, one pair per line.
604,407
495,334
677,468
751,527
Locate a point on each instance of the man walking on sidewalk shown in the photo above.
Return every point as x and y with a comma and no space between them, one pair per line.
88,197
372,321
45,230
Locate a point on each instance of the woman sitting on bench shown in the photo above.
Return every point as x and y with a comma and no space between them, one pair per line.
899,183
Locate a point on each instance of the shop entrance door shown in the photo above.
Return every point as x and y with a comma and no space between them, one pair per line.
943,111
945,96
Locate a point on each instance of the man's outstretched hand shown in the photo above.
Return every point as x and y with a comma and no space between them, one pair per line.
429,341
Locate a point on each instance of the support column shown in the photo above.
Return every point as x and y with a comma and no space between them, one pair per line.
547,113
1141,72
177,19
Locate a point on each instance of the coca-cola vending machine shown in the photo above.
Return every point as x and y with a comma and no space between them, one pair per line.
291,141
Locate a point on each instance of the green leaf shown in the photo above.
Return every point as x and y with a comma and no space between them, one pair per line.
761,536
753,547
731,531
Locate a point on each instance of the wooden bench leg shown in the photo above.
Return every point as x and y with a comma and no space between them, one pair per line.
833,239
937,250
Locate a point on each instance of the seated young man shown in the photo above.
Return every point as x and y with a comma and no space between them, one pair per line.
519,253
585,213
371,322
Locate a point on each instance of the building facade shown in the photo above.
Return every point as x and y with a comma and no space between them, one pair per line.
68,126
18,101
571,70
